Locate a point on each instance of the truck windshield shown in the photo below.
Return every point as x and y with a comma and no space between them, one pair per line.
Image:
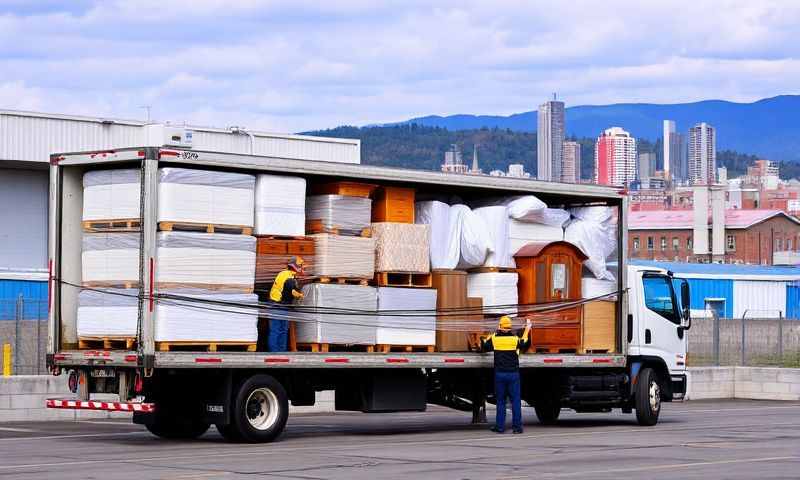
659,296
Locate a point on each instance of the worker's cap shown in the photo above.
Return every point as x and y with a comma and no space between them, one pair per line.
296,263
505,323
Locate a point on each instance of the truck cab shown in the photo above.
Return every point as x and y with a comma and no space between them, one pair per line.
658,318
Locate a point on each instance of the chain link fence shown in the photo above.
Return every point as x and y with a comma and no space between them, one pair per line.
23,326
755,342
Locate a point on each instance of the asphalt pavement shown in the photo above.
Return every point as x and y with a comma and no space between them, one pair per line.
703,440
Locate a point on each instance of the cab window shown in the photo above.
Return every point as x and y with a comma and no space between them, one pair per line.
659,297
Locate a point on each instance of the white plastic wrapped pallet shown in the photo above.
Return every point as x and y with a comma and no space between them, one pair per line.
418,329
205,196
193,321
280,205
357,328
343,256
401,247
496,289
445,234
347,215
110,259
497,224
111,194
108,313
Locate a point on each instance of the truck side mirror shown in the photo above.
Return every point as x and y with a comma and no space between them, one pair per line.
686,302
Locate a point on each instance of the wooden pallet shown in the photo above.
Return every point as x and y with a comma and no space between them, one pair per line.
341,280
386,348
315,227
206,346
333,347
126,285
492,270
106,343
204,228
120,225
403,279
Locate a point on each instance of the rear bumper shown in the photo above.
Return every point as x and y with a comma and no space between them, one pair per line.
105,406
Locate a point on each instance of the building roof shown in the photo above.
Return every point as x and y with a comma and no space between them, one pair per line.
725,270
683,219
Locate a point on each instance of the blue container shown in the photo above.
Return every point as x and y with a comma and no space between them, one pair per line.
34,299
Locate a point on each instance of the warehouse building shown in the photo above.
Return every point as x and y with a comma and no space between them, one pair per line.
738,291
26,141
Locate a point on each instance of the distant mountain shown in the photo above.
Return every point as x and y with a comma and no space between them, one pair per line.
769,128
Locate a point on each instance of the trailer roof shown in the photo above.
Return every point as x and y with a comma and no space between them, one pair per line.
355,171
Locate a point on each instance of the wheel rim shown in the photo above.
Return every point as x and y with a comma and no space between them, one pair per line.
655,396
262,408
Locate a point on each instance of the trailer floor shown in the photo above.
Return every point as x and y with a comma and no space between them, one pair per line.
704,440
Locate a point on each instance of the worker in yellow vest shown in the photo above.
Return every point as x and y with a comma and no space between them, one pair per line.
507,347
283,293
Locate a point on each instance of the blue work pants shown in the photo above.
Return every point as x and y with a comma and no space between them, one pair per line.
278,329
507,384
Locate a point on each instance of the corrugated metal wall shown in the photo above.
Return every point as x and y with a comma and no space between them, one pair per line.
34,294
793,300
701,289
759,299
296,148
23,219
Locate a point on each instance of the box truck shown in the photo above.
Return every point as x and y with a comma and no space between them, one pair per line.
246,394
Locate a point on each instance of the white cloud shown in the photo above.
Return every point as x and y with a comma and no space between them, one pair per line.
299,65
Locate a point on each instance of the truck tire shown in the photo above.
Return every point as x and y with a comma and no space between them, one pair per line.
547,411
260,411
229,433
648,398
177,428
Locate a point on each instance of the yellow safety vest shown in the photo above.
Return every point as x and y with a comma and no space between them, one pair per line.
276,292
505,343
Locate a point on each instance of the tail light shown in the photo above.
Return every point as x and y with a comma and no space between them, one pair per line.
72,382
138,384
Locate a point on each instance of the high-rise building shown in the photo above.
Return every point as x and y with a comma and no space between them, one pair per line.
674,144
615,158
453,162
571,164
550,140
702,154
647,167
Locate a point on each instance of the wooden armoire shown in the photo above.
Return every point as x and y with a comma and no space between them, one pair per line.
551,272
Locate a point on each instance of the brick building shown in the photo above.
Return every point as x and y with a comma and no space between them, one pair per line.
751,236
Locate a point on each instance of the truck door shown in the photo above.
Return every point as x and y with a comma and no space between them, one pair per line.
661,321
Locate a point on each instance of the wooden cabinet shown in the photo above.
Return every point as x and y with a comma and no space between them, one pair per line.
451,293
599,327
393,204
347,189
551,272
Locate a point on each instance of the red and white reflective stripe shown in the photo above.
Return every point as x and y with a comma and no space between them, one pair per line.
396,360
96,353
168,153
207,360
601,360
553,360
337,360
93,405
276,360
453,360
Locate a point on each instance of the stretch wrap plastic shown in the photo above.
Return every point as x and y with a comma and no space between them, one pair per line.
496,289
111,194
280,205
357,328
592,287
205,196
414,330
476,240
108,313
523,233
338,212
594,231
497,224
110,258
445,235
344,256
401,247
190,321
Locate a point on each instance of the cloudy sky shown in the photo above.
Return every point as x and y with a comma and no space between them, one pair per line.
296,65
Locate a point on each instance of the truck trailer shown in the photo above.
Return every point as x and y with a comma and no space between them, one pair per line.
246,395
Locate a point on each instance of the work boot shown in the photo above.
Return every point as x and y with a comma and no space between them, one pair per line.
497,429
517,430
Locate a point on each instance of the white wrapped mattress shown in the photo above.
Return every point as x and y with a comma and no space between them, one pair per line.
322,327
110,258
205,196
344,256
345,214
497,224
108,313
227,262
280,205
523,233
111,194
413,330
495,288
476,238
593,230
593,287
401,247
445,235
187,321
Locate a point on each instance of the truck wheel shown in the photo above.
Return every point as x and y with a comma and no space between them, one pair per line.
260,410
547,412
648,398
177,428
